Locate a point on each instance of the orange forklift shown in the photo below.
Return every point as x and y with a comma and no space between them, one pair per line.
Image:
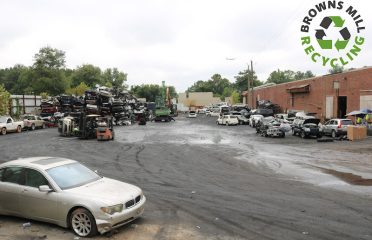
105,130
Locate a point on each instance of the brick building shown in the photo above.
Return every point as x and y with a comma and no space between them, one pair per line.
329,96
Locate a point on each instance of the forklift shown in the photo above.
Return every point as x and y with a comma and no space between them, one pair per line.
105,130
88,126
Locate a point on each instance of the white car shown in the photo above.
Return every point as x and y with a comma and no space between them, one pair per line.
7,124
227,120
213,114
192,114
66,193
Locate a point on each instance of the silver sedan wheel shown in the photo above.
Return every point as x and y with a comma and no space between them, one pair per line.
81,223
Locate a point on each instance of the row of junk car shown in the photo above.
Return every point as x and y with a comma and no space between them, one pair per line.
268,121
99,108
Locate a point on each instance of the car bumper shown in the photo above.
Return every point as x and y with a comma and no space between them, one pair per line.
342,132
109,222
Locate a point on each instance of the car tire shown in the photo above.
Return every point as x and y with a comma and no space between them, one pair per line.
3,131
333,134
83,223
33,127
293,132
227,124
44,126
302,134
19,129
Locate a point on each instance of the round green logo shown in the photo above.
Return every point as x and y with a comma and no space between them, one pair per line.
332,33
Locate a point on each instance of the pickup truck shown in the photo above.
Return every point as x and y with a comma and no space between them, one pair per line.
7,124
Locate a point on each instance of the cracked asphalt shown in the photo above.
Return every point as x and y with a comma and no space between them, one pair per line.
204,181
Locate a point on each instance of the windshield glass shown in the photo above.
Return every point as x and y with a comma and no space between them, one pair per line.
28,118
3,119
346,122
72,175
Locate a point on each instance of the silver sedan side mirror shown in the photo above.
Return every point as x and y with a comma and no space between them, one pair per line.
45,188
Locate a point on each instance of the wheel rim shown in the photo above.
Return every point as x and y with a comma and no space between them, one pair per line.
81,224
33,127
18,129
333,134
3,131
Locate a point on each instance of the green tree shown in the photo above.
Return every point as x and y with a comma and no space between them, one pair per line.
114,78
227,92
4,100
303,75
235,97
288,76
78,90
336,69
216,84
241,82
151,91
281,76
10,76
219,84
148,91
48,71
200,86
88,74
49,58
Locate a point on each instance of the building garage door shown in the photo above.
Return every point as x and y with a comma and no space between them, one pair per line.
329,107
366,101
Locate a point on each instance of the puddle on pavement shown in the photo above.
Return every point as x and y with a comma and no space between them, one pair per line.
348,177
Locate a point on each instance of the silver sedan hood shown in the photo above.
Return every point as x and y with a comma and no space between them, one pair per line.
107,190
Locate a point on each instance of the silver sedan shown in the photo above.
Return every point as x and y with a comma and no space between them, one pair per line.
64,192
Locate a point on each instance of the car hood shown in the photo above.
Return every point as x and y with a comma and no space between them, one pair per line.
107,190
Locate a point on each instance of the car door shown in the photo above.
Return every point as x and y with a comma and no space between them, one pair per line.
38,121
10,189
9,125
326,127
331,126
36,204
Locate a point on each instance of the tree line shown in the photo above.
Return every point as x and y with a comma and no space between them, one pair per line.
49,75
222,87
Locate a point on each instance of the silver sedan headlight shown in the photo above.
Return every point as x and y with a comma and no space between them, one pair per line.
112,209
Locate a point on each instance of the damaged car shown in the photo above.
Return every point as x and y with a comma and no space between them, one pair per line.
66,193
308,127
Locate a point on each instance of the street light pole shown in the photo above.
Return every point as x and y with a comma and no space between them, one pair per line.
252,83
248,77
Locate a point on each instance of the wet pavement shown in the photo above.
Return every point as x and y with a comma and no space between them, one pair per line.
205,181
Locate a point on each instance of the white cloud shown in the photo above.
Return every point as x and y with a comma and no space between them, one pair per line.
177,41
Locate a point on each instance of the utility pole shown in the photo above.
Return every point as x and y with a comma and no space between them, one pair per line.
252,83
248,77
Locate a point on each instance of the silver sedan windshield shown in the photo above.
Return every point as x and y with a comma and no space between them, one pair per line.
72,175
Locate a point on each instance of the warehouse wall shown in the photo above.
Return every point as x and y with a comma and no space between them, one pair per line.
356,85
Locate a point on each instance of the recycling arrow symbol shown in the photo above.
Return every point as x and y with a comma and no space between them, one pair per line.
328,43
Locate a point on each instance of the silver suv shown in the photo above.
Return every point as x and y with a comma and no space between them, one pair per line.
336,127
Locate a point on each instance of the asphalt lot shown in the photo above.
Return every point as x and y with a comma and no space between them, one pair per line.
204,181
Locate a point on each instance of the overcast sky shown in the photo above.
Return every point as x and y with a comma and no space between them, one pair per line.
179,42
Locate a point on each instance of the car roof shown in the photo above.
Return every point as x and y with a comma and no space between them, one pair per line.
341,119
42,163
